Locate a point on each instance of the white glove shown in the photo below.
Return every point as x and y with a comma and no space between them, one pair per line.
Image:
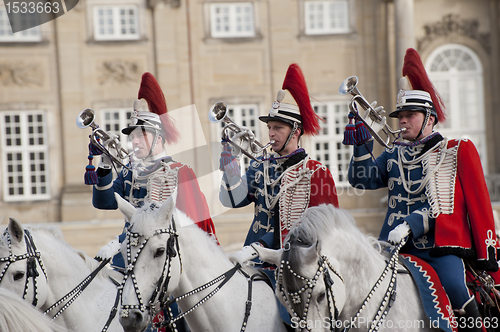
244,255
105,162
399,233
109,250
379,110
105,159
112,138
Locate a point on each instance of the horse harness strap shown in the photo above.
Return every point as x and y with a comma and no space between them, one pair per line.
72,295
32,256
223,279
114,309
389,296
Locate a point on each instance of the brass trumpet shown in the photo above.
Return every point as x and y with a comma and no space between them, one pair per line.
86,119
373,120
218,113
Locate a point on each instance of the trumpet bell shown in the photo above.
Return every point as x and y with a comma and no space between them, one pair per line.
85,118
373,120
349,85
218,112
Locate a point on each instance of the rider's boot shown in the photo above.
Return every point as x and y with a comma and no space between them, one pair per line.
469,318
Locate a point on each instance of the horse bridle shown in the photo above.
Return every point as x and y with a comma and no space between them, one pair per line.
161,288
172,250
32,256
323,266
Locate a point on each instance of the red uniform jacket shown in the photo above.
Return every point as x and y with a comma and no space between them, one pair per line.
469,231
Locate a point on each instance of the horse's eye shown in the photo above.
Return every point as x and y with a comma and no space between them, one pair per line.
159,252
18,275
321,297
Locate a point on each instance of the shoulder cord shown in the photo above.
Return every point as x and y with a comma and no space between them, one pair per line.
402,160
272,202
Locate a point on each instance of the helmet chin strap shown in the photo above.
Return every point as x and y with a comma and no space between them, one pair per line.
295,126
151,149
424,124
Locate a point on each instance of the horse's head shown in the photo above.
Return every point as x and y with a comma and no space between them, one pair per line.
309,281
21,267
153,266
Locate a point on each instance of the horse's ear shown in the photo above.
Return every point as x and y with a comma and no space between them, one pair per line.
269,255
125,207
16,230
168,206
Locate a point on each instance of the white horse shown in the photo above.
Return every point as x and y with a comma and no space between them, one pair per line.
38,265
327,270
18,315
167,254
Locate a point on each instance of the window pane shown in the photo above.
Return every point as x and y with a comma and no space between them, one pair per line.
326,17
232,20
25,159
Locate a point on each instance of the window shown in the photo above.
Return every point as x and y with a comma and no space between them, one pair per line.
25,156
29,35
326,17
328,147
114,120
244,115
232,20
116,23
457,74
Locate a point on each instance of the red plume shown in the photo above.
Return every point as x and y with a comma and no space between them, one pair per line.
151,91
296,84
413,68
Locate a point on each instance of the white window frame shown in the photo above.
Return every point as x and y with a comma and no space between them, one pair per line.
326,146
113,120
20,139
246,115
321,21
116,24
6,34
461,88
234,27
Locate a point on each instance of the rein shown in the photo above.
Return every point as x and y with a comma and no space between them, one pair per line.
223,279
72,295
389,296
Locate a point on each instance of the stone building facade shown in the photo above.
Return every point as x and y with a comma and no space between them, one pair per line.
237,51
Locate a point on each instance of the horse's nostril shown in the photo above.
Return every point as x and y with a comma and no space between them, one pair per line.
133,321
138,317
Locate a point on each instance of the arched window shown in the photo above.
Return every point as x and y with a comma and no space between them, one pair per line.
457,74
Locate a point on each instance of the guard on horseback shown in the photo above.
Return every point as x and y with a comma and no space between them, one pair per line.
153,176
281,185
438,197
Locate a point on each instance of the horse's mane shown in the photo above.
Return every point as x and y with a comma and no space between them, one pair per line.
319,222
18,315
